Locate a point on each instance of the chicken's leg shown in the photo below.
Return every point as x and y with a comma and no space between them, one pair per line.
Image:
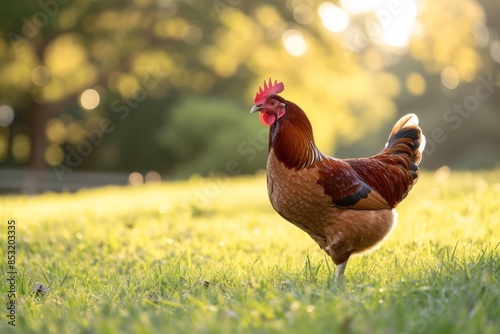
339,272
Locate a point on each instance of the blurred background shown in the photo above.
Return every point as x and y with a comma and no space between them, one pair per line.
98,92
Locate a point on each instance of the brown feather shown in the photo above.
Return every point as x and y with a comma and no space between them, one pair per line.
344,205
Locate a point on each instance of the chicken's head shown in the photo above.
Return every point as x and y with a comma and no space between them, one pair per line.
268,103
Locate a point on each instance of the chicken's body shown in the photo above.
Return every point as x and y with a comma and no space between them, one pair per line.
346,206
297,197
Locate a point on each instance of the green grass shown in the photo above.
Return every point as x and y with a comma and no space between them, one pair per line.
160,258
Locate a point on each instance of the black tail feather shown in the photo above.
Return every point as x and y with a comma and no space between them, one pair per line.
406,138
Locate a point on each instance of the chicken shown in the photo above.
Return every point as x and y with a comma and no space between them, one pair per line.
345,205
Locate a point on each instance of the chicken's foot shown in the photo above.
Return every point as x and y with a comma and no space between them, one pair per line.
339,272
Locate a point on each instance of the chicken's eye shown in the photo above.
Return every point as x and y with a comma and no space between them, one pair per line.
272,103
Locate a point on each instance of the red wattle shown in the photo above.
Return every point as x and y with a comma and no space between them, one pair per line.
267,119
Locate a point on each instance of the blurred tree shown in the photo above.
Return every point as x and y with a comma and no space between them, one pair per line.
88,84
451,55
214,129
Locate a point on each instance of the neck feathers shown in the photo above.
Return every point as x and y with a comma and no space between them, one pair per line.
292,140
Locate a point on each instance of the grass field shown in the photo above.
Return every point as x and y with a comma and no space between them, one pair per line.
211,256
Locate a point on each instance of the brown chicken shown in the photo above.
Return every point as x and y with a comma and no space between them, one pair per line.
346,206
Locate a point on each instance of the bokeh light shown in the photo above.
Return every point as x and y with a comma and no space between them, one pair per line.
397,23
54,155
67,18
450,78
135,179
415,83
356,7
64,55
153,176
74,132
127,85
21,148
334,18
495,50
6,115
366,59
55,130
294,43
90,99
303,14
40,75
192,34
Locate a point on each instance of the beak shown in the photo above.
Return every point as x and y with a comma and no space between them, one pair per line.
255,108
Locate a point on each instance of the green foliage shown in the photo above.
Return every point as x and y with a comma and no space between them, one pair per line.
148,259
202,134
350,82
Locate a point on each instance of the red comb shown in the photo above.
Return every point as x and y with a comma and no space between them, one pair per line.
270,89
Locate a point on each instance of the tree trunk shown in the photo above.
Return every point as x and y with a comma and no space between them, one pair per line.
40,115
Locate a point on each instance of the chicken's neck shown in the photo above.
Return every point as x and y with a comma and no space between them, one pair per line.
292,141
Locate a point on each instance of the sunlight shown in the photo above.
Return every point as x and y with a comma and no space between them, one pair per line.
397,20
334,19
357,7
392,21
295,43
